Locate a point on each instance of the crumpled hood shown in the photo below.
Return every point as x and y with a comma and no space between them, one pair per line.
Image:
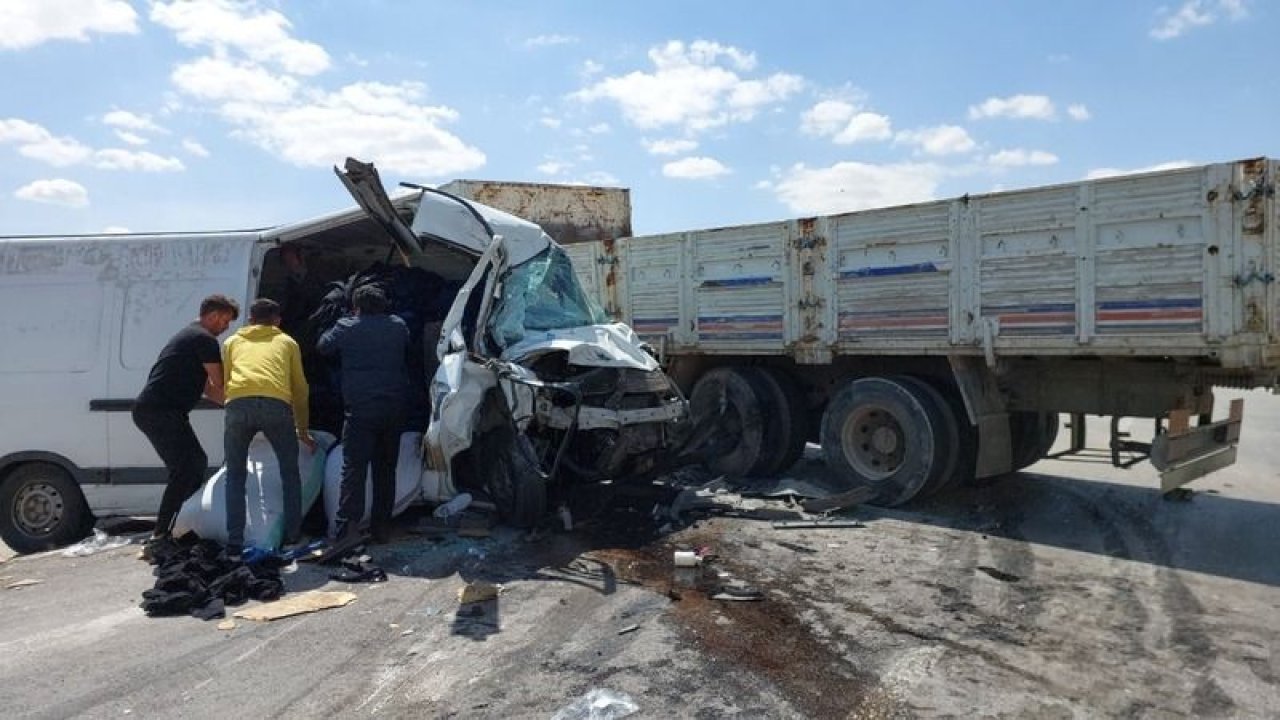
615,345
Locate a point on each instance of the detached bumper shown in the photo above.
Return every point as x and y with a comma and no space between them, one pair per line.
1186,453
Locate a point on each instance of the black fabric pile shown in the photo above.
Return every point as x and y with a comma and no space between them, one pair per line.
194,577
415,295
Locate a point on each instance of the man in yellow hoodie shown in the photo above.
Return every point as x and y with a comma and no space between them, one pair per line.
266,392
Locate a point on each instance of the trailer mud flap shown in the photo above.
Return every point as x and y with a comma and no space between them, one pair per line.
1185,453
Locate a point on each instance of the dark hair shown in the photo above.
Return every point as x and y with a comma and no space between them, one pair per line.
219,303
264,310
369,300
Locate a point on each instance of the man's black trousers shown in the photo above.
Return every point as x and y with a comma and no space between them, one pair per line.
369,438
175,442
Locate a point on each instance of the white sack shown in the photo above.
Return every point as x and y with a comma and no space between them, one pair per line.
205,513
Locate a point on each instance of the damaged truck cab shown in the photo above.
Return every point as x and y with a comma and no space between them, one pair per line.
535,386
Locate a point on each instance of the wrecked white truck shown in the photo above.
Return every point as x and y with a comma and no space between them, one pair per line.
524,385
534,383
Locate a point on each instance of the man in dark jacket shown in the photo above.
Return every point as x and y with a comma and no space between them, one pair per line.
371,347
189,366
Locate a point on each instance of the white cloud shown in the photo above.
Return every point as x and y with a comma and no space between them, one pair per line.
827,117
695,168
552,167
383,123
1033,107
131,138
551,122
864,127
115,230
125,120
195,148
1021,158
539,41
1078,112
599,128
844,124
695,86
669,146
847,186
261,34
591,67
940,140
219,79
136,161
37,143
596,177
27,24
55,192
1196,13
1099,173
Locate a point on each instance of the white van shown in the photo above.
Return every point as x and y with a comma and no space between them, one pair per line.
85,316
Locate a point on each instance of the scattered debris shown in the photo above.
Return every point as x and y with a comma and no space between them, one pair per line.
628,629
1000,575
739,594
359,569
297,604
454,506
1179,495
823,523
99,542
687,558
407,633
599,704
796,548
227,625
839,501
22,583
474,592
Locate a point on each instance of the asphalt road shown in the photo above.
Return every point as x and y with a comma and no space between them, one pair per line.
1071,590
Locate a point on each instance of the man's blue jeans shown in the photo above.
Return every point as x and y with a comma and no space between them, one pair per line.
245,418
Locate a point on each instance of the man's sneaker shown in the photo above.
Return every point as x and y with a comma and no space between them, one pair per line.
150,549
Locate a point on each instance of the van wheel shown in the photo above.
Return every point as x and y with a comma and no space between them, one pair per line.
514,482
733,401
42,508
883,433
788,415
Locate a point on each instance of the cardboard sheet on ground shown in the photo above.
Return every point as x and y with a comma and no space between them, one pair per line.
296,604
408,479
205,513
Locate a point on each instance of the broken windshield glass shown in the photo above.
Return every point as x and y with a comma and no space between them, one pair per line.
542,294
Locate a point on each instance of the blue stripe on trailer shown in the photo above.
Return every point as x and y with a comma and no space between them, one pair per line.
869,272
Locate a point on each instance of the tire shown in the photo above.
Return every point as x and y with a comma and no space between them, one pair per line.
42,508
1031,435
514,482
788,414
946,431
880,433
734,399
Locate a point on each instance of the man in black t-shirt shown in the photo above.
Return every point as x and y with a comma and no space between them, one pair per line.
189,366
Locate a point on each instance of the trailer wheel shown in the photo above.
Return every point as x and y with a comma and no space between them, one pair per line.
733,400
946,434
788,415
879,432
42,508
1031,435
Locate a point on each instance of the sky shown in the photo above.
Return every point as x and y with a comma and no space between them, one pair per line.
193,115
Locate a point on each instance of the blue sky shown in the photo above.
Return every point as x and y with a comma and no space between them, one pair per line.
215,114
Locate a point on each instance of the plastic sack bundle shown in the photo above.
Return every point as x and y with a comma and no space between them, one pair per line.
205,513
408,480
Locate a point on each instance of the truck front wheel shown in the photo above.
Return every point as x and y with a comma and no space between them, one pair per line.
42,508
885,433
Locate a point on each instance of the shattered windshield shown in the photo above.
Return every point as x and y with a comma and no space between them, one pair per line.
542,294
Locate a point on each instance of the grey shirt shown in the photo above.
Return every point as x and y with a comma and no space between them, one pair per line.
372,349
